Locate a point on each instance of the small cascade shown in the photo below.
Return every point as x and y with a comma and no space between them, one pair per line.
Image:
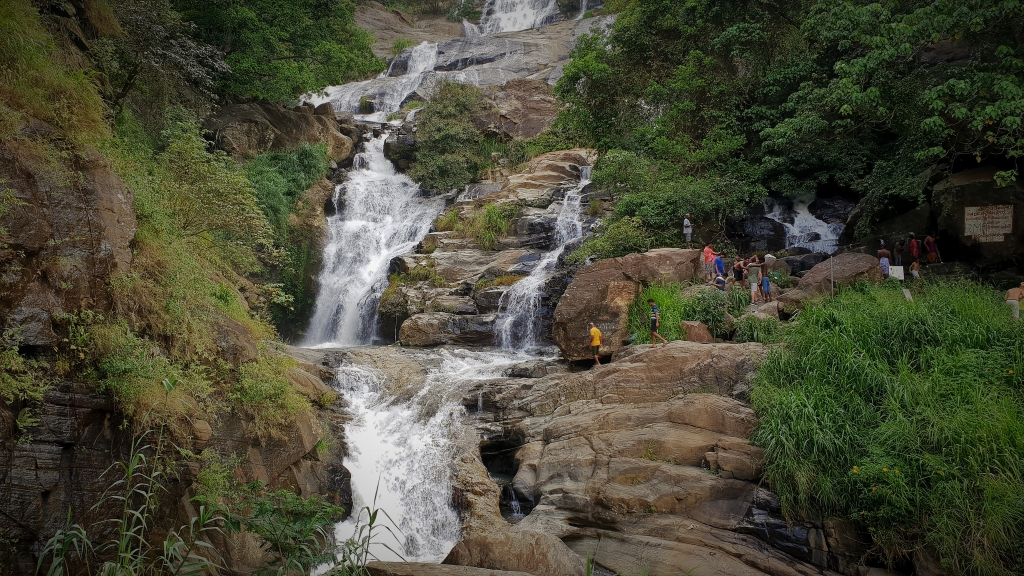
380,215
803,229
513,503
401,453
517,325
480,403
388,91
583,10
515,15
470,30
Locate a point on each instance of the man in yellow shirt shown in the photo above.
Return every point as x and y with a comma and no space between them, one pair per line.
595,343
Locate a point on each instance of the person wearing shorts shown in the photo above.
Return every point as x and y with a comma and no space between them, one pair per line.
709,262
766,288
754,277
687,229
655,323
1013,298
595,343
883,260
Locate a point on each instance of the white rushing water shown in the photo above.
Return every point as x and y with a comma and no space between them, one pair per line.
387,92
803,229
402,454
515,15
381,215
517,327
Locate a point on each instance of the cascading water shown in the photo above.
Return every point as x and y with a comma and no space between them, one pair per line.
804,230
517,326
381,214
515,15
400,455
388,92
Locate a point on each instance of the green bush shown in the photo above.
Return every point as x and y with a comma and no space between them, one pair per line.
401,44
707,305
448,144
267,396
280,178
618,237
752,329
485,225
905,417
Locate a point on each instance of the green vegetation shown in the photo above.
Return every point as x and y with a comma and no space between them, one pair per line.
447,142
278,50
753,329
618,237
264,393
905,417
22,380
706,305
401,44
485,225
705,107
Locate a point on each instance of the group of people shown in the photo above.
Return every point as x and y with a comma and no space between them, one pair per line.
916,251
753,271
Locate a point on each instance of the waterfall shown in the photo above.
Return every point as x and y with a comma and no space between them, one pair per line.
401,454
516,15
583,10
804,230
388,91
517,325
380,215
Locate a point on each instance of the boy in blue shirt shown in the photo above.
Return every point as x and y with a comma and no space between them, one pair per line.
655,322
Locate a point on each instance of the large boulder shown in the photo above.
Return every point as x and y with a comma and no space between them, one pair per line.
602,293
68,233
437,328
533,552
543,178
841,270
377,568
519,108
244,130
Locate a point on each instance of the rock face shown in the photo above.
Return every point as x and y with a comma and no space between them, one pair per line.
844,269
971,189
538,181
644,465
436,328
247,129
423,569
518,109
602,293
69,232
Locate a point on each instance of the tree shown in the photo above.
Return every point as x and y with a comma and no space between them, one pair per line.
280,49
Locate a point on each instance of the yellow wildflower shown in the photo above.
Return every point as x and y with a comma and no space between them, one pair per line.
885,469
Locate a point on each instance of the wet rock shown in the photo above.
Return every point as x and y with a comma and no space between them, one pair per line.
844,269
536,553
70,233
488,299
469,265
535,369
831,210
437,328
244,130
803,263
543,179
400,146
602,293
377,568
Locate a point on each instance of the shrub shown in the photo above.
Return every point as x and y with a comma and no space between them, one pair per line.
401,44
619,236
264,393
484,225
905,417
707,306
448,144
752,329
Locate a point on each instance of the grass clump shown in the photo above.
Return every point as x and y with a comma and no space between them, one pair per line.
749,328
485,226
618,237
707,305
401,44
906,417
264,393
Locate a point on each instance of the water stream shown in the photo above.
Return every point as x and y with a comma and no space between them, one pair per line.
803,229
518,327
515,15
380,215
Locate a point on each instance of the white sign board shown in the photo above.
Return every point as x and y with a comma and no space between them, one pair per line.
988,223
896,272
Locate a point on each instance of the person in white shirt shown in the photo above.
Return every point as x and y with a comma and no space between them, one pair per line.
687,229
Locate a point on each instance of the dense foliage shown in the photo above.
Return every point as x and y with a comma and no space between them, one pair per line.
678,302
707,106
906,417
447,143
277,50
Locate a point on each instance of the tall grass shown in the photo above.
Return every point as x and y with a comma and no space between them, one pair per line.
906,417
486,225
707,306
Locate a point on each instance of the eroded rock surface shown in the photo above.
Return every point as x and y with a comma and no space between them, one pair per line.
602,293
244,130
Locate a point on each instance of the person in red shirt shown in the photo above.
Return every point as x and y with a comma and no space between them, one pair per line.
709,262
915,248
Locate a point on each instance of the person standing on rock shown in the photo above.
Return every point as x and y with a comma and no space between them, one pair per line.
754,277
737,270
766,288
932,247
595,343
719,266
883,260
655,323
897,253
688,230
709,262
1013,298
